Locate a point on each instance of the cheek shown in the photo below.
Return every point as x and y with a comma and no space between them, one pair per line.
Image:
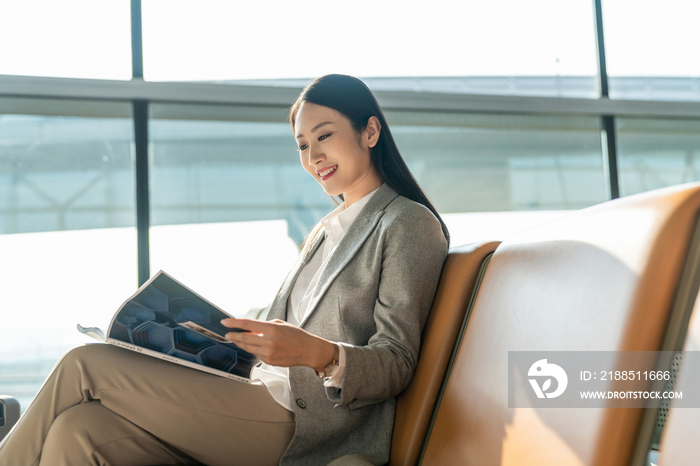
309,169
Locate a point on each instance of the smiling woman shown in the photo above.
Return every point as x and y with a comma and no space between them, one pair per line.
351,311
333,100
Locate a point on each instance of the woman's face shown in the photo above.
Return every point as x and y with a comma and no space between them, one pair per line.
330,151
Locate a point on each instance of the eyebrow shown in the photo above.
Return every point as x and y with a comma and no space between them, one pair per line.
313,130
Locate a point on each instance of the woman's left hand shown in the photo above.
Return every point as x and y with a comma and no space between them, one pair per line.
280,343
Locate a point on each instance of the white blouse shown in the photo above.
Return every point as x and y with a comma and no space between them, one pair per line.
335,224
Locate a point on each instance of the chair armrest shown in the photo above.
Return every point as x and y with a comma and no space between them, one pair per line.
9,414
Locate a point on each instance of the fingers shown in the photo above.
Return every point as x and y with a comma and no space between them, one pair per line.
245,337
275,342
246,324
249,347
257,345
247,341
232,322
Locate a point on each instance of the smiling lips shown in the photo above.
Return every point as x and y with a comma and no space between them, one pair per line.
326,173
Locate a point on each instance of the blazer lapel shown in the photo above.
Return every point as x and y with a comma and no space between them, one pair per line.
278,308
346,249
351,242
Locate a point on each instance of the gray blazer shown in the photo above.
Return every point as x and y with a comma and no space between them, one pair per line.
373,297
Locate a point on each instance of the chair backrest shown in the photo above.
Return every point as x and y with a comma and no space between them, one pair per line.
604,278
461,273
681,435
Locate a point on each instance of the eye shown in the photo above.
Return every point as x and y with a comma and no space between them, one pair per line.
320,138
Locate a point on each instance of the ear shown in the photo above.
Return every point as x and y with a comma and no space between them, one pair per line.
372,131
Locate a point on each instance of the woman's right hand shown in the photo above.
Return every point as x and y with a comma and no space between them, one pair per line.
280,343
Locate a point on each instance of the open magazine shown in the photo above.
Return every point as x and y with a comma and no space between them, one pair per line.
167,320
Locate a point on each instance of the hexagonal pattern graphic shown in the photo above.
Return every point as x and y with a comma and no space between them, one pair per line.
185,308
153,335
220,357
150,320
154,299
134,314
189,341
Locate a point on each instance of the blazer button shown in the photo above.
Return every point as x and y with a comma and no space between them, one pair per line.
301,403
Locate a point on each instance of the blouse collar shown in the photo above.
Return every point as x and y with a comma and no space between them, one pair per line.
337,222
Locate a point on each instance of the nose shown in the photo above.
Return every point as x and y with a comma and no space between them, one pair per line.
315,155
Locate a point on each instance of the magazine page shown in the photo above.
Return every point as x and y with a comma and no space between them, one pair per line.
165,318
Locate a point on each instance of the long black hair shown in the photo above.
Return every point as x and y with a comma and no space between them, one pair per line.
351,97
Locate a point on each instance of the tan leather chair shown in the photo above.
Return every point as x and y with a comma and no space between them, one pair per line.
603,278
459,281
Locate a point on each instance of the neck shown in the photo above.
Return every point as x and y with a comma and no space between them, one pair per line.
363,187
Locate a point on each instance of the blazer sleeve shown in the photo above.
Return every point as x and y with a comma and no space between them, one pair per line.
413,251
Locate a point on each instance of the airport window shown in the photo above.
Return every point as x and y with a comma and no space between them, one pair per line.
229,201
647,58
542,47
656,153
67,39
67,235
241,179
493,175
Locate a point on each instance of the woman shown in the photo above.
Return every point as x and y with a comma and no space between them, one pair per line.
341,339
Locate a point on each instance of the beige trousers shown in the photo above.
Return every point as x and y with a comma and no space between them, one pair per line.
104,405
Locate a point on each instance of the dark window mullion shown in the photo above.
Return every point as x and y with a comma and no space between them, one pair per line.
141,149
607,122
136,41
600,42
142,198
609,146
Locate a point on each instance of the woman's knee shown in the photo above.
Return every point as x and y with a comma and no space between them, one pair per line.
80,361
88,355
70,433
78,420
